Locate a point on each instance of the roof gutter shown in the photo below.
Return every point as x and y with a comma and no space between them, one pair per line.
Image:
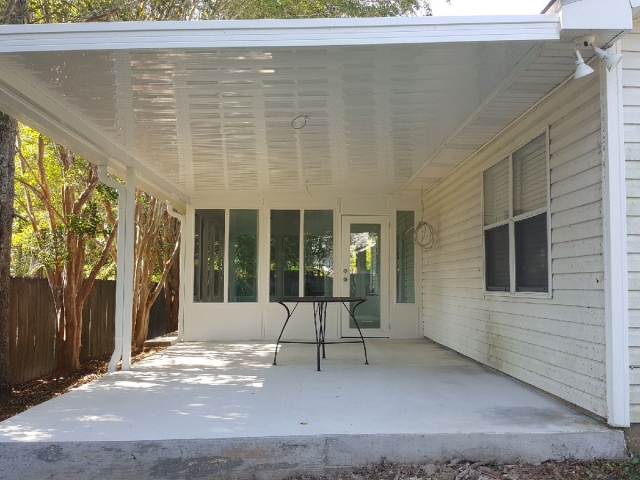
586,17
262,34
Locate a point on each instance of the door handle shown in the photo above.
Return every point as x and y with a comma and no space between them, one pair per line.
345,279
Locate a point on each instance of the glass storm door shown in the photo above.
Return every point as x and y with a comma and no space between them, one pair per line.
365,273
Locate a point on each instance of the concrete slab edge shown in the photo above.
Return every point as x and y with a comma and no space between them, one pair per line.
275,458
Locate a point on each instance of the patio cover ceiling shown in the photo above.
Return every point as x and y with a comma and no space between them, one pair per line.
204,109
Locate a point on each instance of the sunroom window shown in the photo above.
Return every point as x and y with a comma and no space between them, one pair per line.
515,209
208,261
235,231
301,269
243,256
405,259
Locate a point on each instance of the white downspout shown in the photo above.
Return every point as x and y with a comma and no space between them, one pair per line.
182,298
119,313
129,243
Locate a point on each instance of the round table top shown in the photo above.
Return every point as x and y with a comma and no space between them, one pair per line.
319,299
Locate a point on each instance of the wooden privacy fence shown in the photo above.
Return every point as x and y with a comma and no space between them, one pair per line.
32,323
32,342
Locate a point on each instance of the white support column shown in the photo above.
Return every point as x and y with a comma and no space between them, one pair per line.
120,266
128,251
615,246
183,291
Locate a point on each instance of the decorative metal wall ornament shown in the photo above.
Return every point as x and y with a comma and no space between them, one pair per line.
425,236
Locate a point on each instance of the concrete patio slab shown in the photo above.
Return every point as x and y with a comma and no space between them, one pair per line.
213,410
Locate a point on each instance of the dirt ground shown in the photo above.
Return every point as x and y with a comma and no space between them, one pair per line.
464,470
29,394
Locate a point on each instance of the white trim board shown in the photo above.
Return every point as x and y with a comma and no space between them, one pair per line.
277,33
615,246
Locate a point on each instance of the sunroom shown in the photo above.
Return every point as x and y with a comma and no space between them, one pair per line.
307,156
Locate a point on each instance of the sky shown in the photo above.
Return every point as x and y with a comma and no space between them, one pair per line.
488,7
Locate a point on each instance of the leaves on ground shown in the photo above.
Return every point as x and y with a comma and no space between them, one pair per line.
459,470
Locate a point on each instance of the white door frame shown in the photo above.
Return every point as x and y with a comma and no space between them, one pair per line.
385,274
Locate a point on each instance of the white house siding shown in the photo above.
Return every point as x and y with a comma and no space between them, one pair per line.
557,344
631,85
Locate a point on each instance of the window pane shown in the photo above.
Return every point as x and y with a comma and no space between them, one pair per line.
496,193
284,274
208,280
497,259
365,278
530,176
243,256
405,275
318,253
532,261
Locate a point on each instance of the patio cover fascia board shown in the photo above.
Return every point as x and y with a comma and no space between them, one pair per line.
276,33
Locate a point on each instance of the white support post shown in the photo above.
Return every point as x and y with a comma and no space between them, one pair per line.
128,251
119,313
183,290
615,246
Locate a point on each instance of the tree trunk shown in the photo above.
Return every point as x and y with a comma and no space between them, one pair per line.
141,325
68,340
172,295
8,132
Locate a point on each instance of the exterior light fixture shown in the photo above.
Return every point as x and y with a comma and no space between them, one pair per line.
582,69
611,60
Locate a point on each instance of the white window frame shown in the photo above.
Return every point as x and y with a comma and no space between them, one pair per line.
301,247
227,263
511,222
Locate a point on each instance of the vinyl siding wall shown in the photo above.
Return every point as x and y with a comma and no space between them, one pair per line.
556,344
631,92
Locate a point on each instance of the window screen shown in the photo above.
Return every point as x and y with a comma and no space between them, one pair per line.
498,277
318,253
405,261
530,176
284,275
516,233
208,261
496,193
532,263
243,256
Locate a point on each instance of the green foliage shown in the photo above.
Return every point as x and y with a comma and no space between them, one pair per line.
89,222
44,216
631,468
245,265
328,9
106,193
64,11
51,250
